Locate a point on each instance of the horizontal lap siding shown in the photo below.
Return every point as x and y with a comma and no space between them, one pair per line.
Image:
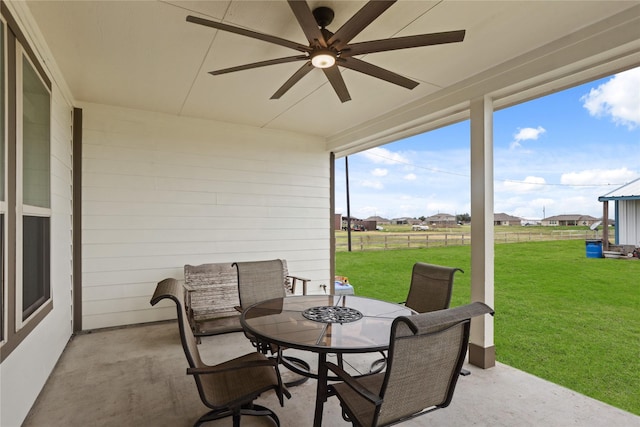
162,191
61,209
25,371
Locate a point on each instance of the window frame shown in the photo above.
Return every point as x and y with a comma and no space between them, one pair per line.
3,200
23,210
15,329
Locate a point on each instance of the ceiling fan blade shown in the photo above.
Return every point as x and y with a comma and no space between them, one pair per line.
307,22
302,71
249,33
375,71
403,42
260,64
358,22
336,80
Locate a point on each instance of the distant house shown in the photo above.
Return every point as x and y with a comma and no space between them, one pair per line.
441,220
504,219
627,214
405,220
379,220
343,222
568,220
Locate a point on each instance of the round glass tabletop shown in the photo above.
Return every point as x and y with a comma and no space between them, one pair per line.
324,323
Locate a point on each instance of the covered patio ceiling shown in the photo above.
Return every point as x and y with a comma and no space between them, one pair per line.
144,55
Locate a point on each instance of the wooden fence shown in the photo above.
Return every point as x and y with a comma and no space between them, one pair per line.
415,240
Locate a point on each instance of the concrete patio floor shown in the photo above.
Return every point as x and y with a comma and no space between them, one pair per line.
135,376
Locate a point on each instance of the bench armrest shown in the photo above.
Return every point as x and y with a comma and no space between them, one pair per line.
294,279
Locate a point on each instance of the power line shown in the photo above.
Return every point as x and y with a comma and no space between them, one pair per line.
419,166
495,179
559,185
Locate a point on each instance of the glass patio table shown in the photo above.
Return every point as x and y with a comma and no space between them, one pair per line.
323,324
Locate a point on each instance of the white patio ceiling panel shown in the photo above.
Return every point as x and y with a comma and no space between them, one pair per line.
144,55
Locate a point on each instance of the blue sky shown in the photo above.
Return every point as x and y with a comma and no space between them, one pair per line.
553,155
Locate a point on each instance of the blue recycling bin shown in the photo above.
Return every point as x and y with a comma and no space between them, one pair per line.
342,288
594,248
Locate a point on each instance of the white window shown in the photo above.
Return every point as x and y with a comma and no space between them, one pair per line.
33,190
25,189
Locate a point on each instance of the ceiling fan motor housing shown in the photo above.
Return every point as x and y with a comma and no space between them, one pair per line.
324,16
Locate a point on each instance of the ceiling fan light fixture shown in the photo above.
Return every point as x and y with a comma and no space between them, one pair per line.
323,59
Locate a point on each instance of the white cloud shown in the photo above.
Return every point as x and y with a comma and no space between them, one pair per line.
529,133
598,177
526,134
383,156
368,211
529,184
377,185
441,207
544,207
410,177
379,172
618,98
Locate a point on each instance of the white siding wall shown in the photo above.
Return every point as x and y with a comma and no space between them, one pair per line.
628,222
27,368
162,191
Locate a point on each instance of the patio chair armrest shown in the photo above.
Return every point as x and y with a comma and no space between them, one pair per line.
354,384
161,288
232,367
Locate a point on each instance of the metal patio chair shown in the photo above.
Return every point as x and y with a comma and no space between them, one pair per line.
430,290
426,353
431,287
228,388
264,280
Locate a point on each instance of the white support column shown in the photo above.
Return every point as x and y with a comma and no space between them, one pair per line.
481,344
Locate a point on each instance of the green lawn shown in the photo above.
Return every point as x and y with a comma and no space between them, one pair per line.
561,316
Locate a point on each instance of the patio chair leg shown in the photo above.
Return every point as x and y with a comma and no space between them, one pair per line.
212,415
378,365
301,365
259,411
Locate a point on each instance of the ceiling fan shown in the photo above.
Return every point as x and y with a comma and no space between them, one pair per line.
328,51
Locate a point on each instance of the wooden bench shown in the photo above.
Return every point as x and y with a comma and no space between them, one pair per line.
211,293
211,297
